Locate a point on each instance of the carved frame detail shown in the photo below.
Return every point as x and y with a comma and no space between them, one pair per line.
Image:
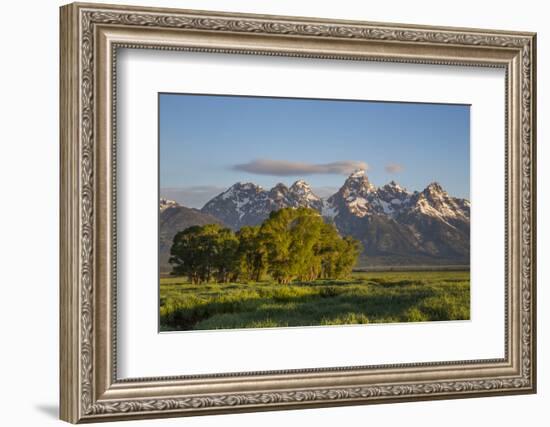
81,400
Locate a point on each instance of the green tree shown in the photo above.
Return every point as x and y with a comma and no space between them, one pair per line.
185,256
204,252
306,230
349,250
225,255
276,237
290,236
251,254
328,250
291,244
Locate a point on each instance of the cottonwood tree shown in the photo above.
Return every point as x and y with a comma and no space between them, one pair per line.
292,244
204,252
251,254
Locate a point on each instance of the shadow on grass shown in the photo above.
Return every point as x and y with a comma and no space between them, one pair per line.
387,302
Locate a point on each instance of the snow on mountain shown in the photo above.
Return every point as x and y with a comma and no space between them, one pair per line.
394,196
249,204
435,201
165,204
303,196
241,204
245,204
354,196
359,197
390,221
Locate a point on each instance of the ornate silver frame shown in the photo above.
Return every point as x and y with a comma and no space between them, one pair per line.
90,36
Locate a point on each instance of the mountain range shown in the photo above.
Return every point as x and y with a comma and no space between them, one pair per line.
173,218
395,226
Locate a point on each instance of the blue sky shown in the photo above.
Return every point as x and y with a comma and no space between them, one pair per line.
208,142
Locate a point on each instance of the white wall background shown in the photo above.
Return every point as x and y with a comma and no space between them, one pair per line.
29,171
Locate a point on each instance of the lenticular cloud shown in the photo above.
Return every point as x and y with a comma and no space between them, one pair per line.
287,168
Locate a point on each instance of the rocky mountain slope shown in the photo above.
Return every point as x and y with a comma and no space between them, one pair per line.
398,227
394,225
249,204
173,218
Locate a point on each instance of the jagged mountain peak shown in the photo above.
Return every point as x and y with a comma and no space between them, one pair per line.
244,203
358,173
392,185
436,196
354,196
249,204
358,181
279,195
435,202
280,187
392,189
166,203
302,189
434,187
239,190
300,185
395,225
245,186
389,220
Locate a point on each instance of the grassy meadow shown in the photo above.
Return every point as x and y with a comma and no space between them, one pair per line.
367,297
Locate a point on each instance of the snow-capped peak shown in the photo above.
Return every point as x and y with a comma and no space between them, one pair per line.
389,220
166,203
358,173
237,189
301,188
245,186
434,201
247,203
300,184
358,182
392,185
280,187
354,196
280,191
303,195
434,187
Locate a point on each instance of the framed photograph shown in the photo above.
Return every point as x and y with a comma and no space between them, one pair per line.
266,212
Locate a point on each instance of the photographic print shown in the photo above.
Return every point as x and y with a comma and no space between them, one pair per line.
285,212
213,197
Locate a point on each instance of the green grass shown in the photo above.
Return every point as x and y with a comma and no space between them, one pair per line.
370,297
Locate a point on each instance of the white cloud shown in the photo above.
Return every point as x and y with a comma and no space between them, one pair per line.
394,168
287,168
